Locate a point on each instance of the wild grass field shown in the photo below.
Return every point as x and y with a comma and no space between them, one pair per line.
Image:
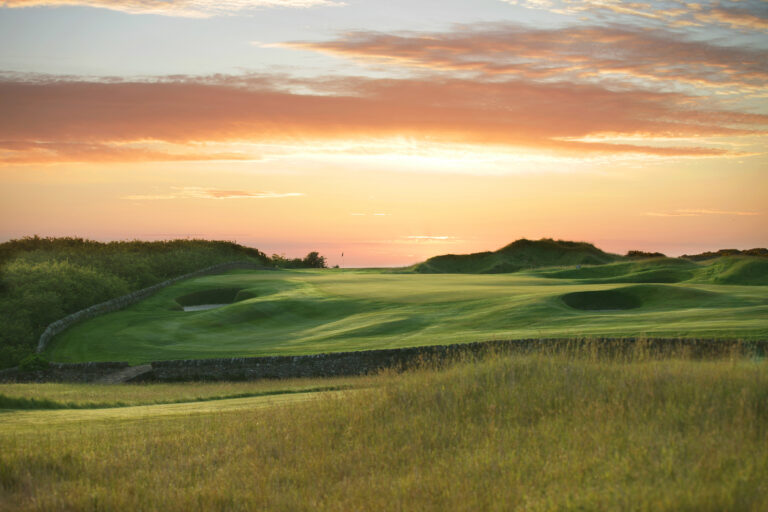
535,432
312,311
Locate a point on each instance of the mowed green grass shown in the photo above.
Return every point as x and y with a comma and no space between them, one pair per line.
305,312
537,432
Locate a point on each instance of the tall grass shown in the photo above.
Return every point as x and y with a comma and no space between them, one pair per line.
536,432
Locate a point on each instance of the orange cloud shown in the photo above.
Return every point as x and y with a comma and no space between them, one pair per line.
78,120
182,8
699,212
210,193
33,152
581,54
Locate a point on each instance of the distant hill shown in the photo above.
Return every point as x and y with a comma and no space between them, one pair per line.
520,255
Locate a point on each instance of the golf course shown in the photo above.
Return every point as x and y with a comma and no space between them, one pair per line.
294,312
560,427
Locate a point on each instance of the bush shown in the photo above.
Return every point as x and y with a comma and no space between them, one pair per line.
33,363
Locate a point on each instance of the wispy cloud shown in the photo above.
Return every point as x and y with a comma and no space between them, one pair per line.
209,193
698,213
430,237
737,14
583,54
80,120
738,18
181,8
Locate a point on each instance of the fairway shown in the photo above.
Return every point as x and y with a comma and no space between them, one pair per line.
314,311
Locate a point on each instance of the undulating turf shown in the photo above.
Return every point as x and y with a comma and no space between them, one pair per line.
537,432
305,312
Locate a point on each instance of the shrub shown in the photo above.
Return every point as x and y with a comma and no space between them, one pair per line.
33,363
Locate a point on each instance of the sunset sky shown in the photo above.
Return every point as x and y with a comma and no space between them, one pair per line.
389,130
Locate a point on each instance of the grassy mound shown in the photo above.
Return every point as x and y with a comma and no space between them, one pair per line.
645,296
655,270
662,296
519,255
741,270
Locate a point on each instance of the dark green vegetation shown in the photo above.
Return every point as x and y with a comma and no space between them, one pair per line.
519,255
311,260
310,311
537,432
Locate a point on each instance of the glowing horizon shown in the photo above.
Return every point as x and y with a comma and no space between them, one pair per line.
386,133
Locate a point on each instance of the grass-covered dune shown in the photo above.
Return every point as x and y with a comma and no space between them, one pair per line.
305,312
519,255
590,264
539,432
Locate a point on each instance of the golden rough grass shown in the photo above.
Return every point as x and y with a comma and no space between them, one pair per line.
539,432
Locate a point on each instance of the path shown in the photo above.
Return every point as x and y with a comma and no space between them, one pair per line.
125,375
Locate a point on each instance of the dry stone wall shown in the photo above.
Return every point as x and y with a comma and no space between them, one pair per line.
63,372
372,361
118,303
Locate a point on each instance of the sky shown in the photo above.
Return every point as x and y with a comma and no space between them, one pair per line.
389,131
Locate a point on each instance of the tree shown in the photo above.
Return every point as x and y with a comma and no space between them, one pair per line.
314,260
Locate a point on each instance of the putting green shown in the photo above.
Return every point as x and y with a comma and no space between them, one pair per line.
305,312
